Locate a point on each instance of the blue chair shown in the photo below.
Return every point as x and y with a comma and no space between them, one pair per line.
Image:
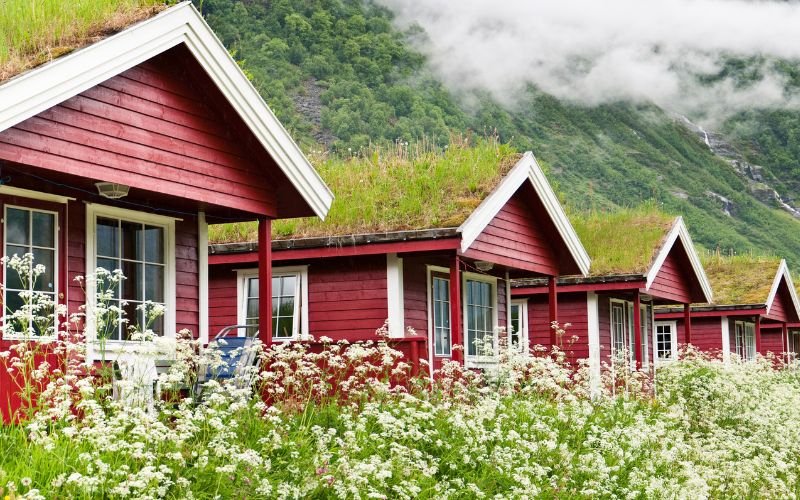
238,357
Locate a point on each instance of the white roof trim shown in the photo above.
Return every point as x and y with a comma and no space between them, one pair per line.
526,169
679,231
783,272
50,84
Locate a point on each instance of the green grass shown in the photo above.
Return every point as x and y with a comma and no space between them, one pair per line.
622,241
740,279
35,31
390,189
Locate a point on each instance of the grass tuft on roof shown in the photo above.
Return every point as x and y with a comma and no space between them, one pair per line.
394,189
623,241
33,32
740,279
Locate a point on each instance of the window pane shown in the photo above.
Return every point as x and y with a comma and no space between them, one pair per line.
17,227
154,283
44,229
132,285
154,244
134,318
287,288
252,308
13,303
13,279
287,306
132,241
284,327
252,287
46,281
158,326
275,303
107,238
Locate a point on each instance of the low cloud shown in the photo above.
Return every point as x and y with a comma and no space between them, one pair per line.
592,52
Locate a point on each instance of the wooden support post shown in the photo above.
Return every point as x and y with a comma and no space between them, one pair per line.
265,281
414,357
456,338
637,329
785,341
758,335
552,300
687,322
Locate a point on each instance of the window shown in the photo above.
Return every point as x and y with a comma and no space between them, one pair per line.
518,334
480,309
745,336
289,294
440,313
665,341
141,246
622,330
35,232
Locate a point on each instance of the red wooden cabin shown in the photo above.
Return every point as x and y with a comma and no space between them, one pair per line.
640,260
161,111
756,309
449,283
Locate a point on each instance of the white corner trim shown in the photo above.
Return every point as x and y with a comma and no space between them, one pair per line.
726,338
593,330
202,273
679,231
526,168
394,295
33,195
783,273
42,88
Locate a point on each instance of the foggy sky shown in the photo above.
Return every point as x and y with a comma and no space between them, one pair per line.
599,51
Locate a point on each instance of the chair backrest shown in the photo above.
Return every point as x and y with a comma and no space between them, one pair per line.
236,352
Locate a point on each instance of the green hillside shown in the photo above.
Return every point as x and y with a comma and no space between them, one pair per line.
340,76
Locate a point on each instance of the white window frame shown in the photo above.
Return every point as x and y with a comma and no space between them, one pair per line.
648,352
56,270
476,360
431,326
93,211
524,346
300,325
673,328
746,348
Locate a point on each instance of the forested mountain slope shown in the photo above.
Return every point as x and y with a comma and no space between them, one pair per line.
340,76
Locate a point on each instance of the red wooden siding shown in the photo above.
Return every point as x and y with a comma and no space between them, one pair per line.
782,307
150,130
76,254
187,289
415,293
673,281
347,297
706,334
772,341
222,299
517,237
604,323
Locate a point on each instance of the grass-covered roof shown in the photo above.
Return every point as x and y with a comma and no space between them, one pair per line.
624,241
740,279
33,32
395,190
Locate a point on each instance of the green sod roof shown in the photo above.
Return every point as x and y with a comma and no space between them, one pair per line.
740,279
624,241
387,191
33,32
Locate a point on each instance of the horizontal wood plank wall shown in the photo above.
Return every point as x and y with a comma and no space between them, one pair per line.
672,280
771,341
782,308
347,297
187,277
76,255
415,292
517,238
538,321
571,309
706,334
222,307
149,129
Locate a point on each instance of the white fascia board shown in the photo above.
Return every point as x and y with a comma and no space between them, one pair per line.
50,84
783,273
680,232
526,168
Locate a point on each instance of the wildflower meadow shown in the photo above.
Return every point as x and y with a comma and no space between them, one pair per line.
325,419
